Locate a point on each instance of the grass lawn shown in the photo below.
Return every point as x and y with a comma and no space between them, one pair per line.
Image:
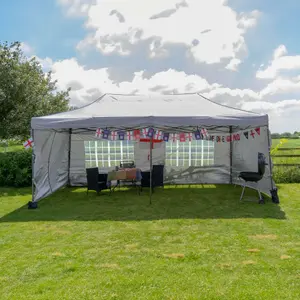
197,243
291,143
11,148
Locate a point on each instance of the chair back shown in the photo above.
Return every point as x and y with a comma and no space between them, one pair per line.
92,178
261,164
158,175
102,177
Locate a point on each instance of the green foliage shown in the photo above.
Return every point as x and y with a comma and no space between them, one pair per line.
25,92
286,174
15,168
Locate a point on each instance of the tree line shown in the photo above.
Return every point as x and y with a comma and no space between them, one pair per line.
26,91
288,135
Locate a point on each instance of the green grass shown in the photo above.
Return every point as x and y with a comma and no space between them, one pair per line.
291,143
12,148
197,243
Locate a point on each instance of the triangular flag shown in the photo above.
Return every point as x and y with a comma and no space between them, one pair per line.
246,134
166,136
137,134
121,135
198,135
257,130
105,134
182,137
28,144
151,132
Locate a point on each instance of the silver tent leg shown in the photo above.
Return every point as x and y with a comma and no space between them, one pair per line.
32,167
243,191
151,146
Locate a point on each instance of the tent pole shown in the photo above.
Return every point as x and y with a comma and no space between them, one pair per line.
32,167
69,156
230,154
151,146
270,161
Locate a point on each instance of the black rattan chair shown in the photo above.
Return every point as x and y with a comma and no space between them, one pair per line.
157,177
95,181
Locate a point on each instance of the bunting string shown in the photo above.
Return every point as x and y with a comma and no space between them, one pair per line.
159,135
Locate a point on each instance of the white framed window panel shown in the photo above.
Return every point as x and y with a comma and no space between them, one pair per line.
190,153
107,154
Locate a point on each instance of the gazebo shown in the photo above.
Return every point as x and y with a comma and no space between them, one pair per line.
201,141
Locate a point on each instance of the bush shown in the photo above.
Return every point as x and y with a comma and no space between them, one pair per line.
286,174
15,168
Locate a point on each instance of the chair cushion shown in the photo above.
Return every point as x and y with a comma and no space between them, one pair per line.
250,176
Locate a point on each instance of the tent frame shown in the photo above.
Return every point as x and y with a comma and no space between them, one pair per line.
73,122
70,132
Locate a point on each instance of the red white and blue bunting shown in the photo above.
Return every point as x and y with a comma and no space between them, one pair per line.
159,135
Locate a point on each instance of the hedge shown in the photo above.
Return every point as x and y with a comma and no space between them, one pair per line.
15,168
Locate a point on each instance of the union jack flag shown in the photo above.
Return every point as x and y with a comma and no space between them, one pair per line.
151,132
198,135
121,135
106,134
166,136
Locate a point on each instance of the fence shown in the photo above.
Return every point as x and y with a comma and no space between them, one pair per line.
287,160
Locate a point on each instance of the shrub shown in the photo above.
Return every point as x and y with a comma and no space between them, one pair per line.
15,168
286,174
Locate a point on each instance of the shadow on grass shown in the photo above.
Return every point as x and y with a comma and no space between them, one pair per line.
202,202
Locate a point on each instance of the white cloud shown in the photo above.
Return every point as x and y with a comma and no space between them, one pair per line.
281,62
283,115
210,30
233,64
282,86
90,82
46,63
280,51
27,49
76,7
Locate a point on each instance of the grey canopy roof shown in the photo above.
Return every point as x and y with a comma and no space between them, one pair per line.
114,110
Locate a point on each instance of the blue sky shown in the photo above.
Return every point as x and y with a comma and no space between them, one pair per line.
43,25
105,56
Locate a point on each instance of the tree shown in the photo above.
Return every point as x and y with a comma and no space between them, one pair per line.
275,135
286,134
25,92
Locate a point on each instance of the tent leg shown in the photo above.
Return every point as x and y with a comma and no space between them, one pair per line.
69,156
243,191
32,204
230,155
151,146
274,194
